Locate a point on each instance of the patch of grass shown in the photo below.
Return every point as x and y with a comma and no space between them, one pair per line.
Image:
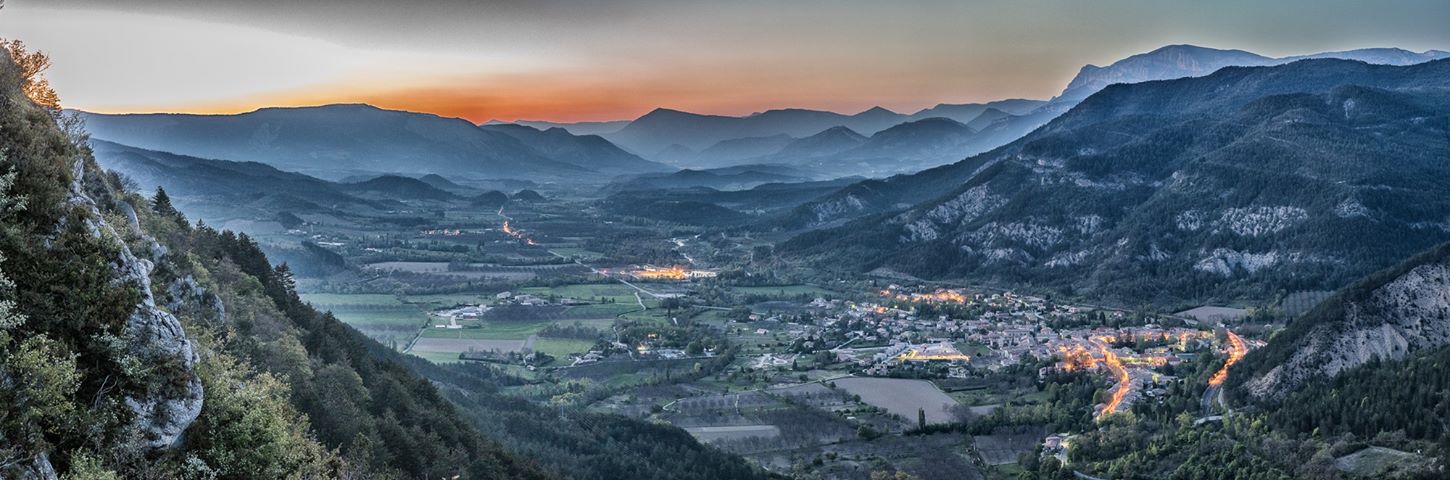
652,316
437,357
385,320
619,292
448,300
493,330
560,348
601,324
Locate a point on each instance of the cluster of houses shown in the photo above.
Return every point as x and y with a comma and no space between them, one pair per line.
1004,329
650,272
520,299
454,316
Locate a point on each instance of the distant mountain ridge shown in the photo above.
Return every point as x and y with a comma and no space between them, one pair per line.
1198,192
664,127
222,190
1178,61
577,128
340,140
585,151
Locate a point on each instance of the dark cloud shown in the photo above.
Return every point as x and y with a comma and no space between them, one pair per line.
361,21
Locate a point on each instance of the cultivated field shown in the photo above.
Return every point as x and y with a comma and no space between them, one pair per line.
1210,313
902,397
736,432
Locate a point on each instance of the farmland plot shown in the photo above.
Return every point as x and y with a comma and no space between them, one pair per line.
902,397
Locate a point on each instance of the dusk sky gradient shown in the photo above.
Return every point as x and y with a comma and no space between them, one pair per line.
604,60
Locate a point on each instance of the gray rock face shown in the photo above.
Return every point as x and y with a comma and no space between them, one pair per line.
187,297
152,334
38,468
1408,314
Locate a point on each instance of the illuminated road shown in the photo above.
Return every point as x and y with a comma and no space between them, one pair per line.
1125,383
1237,350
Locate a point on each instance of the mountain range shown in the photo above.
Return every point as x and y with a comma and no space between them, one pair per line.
338,140
1164,190
588,151
222,191
664,130
1178,61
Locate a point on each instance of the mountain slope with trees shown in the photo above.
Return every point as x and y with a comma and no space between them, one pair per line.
337,140
134,344
1244,183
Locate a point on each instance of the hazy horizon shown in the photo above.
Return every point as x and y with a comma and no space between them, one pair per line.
580,61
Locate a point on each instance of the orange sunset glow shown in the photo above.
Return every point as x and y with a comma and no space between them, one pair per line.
590,61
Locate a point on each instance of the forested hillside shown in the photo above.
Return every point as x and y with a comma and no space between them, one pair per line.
136,344
1250,182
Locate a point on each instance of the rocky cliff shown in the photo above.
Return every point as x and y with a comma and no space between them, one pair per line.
1391,315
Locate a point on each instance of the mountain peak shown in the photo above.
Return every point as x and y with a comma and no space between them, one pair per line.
877,110
838,130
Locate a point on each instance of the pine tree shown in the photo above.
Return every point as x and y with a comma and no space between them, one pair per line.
284,275
161,204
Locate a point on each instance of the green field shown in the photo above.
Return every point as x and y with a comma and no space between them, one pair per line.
560,348
388,320
448,300
653,315
494,330
619,292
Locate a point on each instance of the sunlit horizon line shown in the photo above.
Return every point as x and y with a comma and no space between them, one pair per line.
564,118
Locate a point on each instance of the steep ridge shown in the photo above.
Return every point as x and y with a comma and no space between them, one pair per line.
1175,189
135,346
1391,315
1178,61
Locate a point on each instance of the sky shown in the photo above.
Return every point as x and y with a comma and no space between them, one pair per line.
582,60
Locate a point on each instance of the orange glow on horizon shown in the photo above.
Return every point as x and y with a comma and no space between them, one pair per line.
561,96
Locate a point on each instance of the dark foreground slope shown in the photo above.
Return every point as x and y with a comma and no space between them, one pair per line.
1238,184
135,345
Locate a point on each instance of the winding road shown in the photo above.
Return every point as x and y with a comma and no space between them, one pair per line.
1236,351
